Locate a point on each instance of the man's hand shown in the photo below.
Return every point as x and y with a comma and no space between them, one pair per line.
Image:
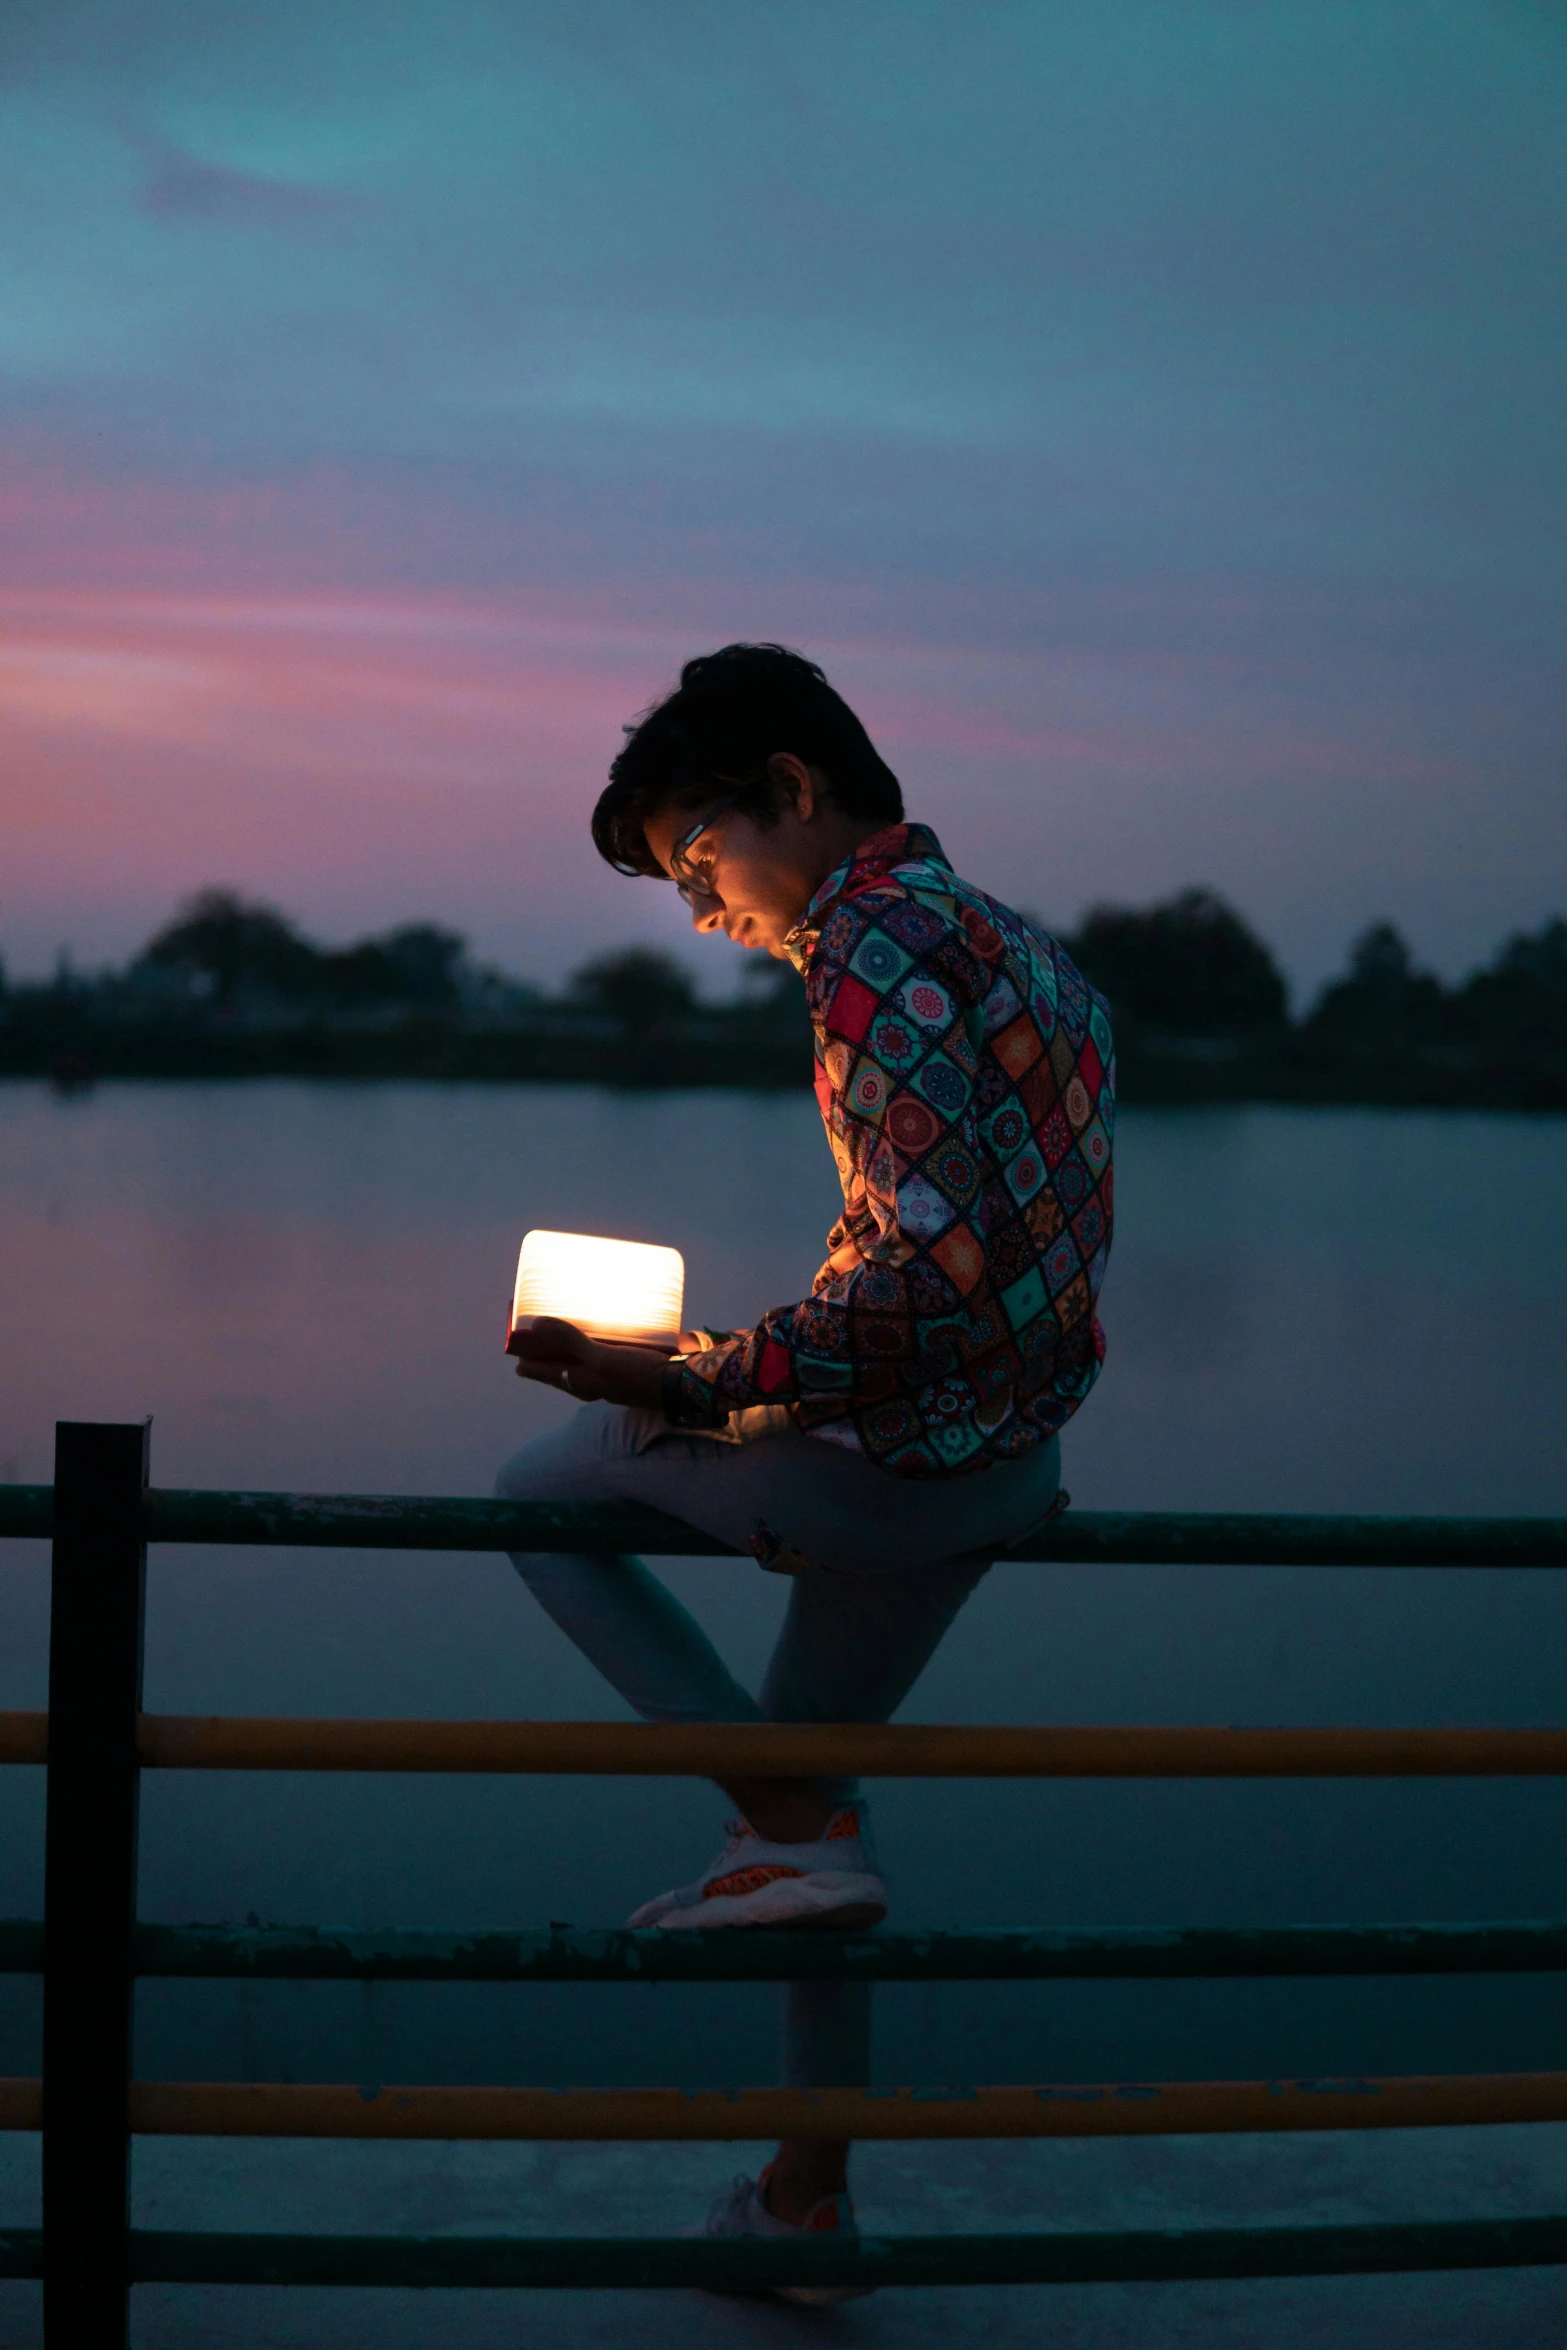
560,1355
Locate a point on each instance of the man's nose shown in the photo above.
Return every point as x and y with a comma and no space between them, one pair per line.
707,914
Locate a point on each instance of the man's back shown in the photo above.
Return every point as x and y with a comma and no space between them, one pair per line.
966,1080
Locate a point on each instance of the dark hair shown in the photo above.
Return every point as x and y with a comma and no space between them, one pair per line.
731,712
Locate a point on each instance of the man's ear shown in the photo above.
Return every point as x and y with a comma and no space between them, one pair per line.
803,786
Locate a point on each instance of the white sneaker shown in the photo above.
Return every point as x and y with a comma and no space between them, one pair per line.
743,2212
832,1882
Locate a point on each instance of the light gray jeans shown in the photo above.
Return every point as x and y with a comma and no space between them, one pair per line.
894,1558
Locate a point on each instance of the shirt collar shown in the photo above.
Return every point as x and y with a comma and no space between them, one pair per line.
900,844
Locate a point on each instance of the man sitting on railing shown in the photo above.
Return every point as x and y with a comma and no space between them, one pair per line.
885,1438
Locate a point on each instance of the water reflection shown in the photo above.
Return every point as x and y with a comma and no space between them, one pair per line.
307,1287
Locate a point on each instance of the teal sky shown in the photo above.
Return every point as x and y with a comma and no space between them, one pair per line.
1150,415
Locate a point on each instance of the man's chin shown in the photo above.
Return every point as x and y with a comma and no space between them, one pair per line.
760,938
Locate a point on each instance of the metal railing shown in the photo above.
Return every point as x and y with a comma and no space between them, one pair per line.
95,1741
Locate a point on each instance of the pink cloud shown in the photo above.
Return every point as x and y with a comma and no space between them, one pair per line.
450,691
204,679
356,759
308,683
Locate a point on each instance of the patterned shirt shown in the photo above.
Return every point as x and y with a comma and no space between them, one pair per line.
966,1079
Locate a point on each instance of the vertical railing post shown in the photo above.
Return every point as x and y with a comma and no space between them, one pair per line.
97,1611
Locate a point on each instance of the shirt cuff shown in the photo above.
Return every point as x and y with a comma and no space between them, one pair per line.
689,1402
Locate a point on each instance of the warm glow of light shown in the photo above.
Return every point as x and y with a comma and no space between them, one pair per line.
620,1289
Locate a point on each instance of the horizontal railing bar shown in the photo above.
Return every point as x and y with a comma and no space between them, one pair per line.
1091,2256
1022,2257
270,2109
903,1750
871,1750
1080,1537
567,1954
1149,1538
1077,2110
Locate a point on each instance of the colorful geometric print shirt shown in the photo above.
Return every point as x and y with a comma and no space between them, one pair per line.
967,1083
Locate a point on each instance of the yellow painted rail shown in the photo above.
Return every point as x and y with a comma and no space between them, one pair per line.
221,2109
233,1742
21,2104
24,1738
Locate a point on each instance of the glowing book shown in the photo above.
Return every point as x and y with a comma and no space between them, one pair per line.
625,1291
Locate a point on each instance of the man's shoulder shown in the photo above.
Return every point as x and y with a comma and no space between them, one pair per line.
912,908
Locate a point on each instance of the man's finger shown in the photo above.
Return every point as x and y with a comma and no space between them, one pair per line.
548,1340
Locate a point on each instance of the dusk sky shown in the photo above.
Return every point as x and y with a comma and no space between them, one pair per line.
1152,416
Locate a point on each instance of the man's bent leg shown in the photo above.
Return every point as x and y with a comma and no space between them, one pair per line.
853,1646
615,1610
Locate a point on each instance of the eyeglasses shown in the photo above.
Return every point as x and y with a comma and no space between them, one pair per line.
695,881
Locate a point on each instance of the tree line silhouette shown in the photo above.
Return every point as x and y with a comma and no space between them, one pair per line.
230,987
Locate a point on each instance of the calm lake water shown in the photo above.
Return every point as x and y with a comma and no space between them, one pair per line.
306,1286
